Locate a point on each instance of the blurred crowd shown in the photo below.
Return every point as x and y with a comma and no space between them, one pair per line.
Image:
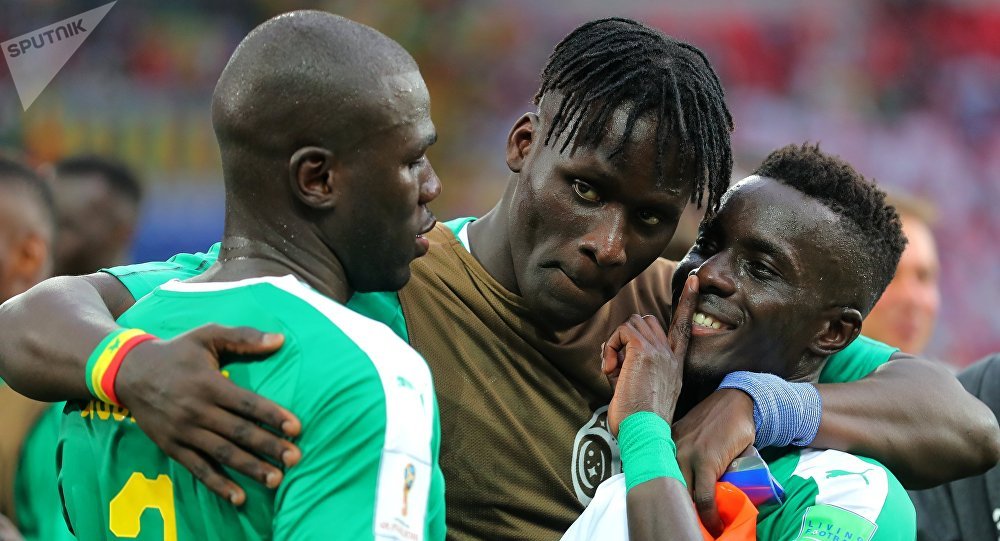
909,91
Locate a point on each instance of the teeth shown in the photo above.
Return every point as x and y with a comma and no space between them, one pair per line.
706,321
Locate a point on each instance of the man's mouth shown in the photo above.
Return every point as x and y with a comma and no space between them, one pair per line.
703,324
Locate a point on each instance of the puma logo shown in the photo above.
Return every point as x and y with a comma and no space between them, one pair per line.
840,473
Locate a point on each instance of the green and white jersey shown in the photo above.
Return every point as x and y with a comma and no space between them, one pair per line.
835,496
370,431
829,496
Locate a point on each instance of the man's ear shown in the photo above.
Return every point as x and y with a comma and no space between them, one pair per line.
313,173
32,261
519,140
840,329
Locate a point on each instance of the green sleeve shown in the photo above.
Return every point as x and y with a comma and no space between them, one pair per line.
384,307
142,278
862,502
343,425
856,361
436,528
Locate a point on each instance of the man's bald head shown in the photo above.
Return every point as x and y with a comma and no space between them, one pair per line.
305,78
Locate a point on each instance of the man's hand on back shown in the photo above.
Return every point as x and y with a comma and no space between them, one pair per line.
201,419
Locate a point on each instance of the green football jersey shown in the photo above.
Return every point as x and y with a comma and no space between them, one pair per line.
370,431
39,510
835,496
829,496
854,362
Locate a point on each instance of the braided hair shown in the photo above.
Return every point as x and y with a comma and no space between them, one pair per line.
608,62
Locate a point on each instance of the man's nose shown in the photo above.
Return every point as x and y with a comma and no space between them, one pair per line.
605,243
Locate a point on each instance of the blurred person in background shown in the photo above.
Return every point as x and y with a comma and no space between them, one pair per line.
967,509
28,429
97,201
905,315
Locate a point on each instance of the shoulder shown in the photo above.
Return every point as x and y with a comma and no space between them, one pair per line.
857,484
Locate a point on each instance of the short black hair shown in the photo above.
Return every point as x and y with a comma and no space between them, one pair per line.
14,172
608,62
857,200
121,179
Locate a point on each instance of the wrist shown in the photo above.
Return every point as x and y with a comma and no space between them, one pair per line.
106,360
784,413
647,449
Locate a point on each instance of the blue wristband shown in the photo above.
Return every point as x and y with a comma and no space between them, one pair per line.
647,450
784,413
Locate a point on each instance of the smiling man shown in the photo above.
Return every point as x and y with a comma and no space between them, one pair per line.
510,311
797,255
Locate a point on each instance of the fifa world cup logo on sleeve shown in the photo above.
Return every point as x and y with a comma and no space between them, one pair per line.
409,475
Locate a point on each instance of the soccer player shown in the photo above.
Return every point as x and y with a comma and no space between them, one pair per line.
28,429
510,311
796,256
97,201
322,123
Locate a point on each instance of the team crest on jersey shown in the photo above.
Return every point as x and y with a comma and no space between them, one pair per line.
595,456
409,475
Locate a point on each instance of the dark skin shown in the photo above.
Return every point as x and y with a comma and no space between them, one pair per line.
760,263
374,166
614,227
645,366
703,446
574,227
96,224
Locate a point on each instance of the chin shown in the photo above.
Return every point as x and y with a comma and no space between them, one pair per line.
384,282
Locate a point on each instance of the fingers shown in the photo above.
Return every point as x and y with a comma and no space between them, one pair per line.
680,324
610,349
223,452
256,408
704,501
249,438
242,341
209,475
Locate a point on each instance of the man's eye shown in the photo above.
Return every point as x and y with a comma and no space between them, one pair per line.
760,269
586,191
649,218
418,163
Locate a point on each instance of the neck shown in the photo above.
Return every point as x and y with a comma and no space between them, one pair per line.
490,240
696,389
249,255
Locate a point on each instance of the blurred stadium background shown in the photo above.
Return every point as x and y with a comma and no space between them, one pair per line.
907,90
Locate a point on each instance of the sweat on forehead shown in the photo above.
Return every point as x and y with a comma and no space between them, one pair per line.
302,78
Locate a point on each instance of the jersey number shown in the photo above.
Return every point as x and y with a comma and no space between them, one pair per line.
138,494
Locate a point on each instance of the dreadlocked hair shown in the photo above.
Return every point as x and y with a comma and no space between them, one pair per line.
858,201
608,62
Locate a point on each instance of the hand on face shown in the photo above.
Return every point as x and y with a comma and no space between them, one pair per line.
645,365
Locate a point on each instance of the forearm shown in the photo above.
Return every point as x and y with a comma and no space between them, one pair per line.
661,508
47,333
908,414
